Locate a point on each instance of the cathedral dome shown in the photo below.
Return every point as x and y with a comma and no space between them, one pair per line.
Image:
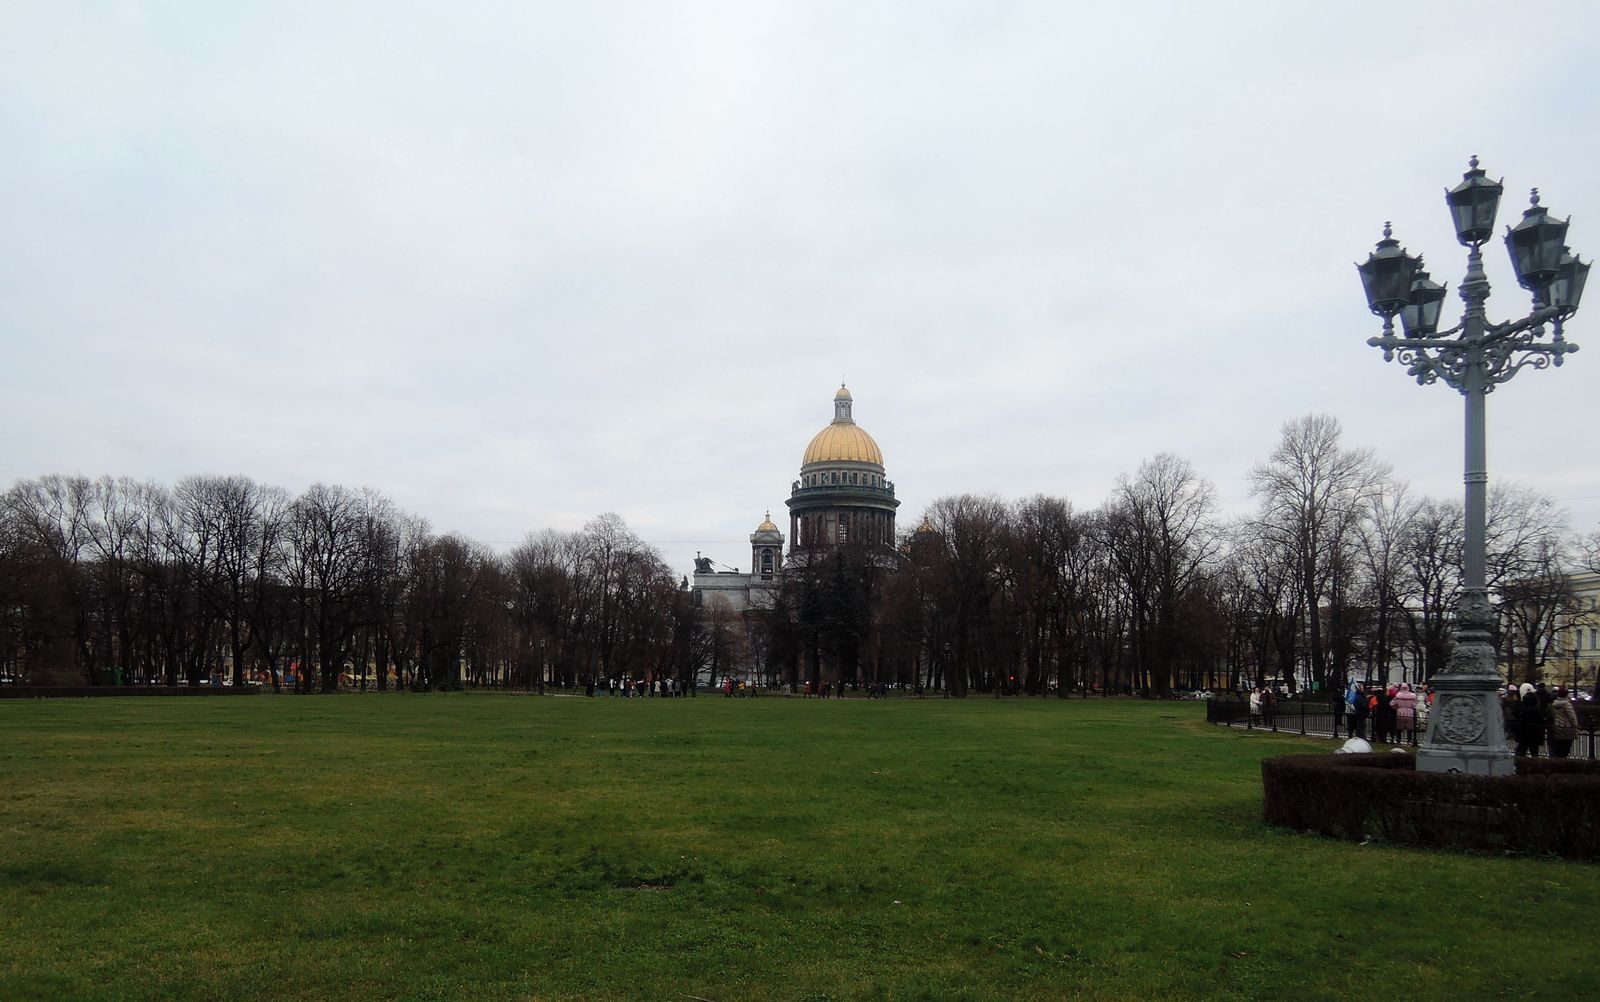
843,441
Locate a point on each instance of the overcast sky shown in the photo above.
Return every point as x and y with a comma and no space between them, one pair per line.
519,264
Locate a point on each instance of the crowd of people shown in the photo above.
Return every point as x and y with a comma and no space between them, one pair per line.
1537,716
627,687
1386,714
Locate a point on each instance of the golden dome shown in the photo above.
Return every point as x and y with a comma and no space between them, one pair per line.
843,441
766,525
840,443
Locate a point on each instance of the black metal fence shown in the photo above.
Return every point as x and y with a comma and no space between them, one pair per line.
51,691
1328,720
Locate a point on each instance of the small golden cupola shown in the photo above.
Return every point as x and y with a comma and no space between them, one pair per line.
766,549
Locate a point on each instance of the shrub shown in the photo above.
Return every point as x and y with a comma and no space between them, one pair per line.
1550,805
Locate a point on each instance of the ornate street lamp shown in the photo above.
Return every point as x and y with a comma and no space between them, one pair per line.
1420,316
1536,247
1567,288
1387,275
1466,732
1473,204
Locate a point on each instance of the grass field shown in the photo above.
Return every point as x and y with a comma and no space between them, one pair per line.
509,847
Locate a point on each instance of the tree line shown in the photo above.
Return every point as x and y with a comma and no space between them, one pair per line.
215,576
1339,573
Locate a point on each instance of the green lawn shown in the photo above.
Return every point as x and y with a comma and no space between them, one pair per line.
511,847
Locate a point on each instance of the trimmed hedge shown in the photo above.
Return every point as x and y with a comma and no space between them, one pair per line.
1549,806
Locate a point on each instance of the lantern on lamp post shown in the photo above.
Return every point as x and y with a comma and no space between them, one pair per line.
1420,316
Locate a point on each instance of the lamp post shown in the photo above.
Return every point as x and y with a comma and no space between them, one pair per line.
1577,644
1466,732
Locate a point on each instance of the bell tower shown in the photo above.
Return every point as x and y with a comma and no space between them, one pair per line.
766,551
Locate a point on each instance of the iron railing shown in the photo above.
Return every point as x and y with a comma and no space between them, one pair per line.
1322,720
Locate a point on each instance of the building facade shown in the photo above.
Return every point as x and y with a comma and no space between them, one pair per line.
1577,666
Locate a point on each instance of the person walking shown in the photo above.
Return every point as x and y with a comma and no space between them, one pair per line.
1255,706
1563,725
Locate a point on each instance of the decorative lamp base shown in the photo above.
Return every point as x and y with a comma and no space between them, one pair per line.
1466,730
1469,761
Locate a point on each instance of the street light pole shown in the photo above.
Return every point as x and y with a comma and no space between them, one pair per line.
1577,643
1466,731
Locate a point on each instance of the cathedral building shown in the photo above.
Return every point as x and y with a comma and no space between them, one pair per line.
841,497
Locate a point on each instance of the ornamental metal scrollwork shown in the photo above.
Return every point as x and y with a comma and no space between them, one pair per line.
1461,720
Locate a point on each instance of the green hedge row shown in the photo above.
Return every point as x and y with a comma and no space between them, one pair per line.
1549,806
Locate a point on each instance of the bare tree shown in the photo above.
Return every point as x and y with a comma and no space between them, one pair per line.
225,512
51,516
1313,492
1047,551
1161,532
971,532
448,583
325,538
1263,595
1382,536
269,602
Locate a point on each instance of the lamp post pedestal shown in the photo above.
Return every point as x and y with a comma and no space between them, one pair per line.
1466,728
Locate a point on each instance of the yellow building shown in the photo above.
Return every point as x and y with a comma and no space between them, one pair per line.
1580,637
